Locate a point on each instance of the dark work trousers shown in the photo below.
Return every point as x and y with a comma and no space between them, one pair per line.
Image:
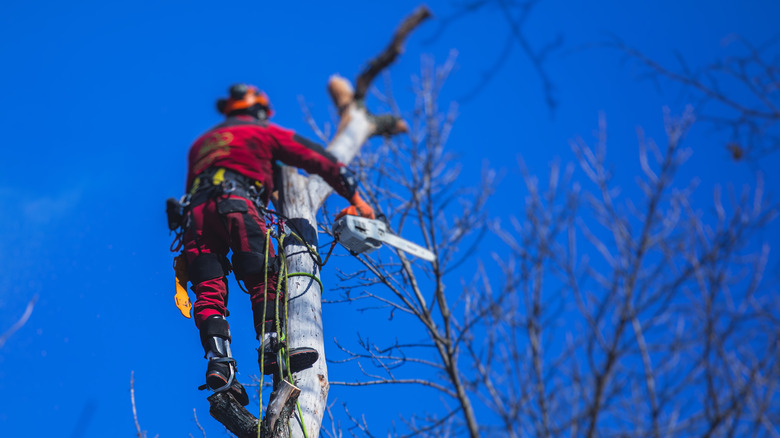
239,228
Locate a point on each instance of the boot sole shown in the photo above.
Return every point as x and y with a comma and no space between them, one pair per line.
217,380
300,359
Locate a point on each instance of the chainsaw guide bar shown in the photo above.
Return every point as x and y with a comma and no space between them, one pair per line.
361,235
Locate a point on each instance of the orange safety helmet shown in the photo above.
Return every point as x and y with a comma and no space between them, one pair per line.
245,97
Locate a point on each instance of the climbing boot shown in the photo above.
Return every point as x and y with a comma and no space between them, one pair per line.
221,369
272,352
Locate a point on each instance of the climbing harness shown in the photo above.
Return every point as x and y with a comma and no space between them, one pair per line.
218,181
213,183
357,234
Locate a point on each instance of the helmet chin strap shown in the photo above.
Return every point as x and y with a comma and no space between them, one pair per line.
257,111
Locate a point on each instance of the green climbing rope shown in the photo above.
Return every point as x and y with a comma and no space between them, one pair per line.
287,276
262,334
283,279
306,274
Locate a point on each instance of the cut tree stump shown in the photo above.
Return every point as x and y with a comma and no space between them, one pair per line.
229,412
281,408
226,410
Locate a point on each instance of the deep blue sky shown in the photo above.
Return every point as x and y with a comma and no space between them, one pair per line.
102,99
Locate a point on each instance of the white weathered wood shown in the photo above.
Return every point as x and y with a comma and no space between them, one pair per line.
345,147
285,394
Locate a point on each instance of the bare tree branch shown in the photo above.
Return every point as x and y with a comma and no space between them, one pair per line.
197,423
139,432
20,323
738,94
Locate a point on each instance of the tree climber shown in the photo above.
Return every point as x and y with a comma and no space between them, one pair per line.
229,182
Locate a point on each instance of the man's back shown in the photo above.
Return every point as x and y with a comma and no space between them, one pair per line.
250,146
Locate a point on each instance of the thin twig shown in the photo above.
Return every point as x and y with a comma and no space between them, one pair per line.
197,423
20,323
139,432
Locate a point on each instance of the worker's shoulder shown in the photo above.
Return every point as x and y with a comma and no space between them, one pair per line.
249,127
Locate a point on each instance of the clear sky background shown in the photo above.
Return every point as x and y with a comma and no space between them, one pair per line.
100,101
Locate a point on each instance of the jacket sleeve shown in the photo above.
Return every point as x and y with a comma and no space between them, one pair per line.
295,150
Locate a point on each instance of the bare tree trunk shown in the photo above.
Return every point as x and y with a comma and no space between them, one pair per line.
305,310
300,198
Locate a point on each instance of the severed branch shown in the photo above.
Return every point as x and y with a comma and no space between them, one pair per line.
225,409
281,407
238,420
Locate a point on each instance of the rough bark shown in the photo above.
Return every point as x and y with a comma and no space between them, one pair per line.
300,197
225,409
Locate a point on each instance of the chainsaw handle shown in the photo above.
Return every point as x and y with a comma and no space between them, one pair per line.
359,207
351,210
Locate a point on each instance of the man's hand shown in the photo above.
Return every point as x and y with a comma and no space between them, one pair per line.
359,207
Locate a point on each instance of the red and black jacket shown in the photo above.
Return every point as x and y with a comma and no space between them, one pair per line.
250,147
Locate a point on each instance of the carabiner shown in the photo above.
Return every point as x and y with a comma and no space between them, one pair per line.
228,187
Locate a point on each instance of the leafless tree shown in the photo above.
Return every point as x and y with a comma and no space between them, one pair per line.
613,315
601,314
673,333
413,186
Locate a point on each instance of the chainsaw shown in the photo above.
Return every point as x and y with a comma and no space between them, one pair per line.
361,235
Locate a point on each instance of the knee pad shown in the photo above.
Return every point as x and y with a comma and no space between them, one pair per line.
215,336
204,267
248,263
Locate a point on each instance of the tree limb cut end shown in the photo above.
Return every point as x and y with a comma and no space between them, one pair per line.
281,407
341,92
225,409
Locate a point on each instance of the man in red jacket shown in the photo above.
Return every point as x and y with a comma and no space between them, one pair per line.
229,181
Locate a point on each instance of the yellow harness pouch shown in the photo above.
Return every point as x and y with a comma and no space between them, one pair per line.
181,298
